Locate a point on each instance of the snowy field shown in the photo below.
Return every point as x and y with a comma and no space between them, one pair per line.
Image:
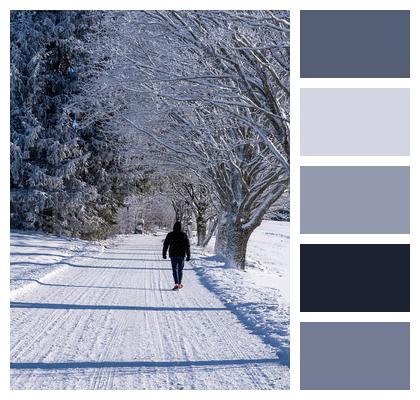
260,295
36,255
93,317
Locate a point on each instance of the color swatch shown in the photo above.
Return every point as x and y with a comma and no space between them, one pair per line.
355,199
355,122
360,194
355,278
355,355
355,44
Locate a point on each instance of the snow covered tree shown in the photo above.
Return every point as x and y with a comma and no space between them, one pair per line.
44,147
98,98
210,89
66,174
197,196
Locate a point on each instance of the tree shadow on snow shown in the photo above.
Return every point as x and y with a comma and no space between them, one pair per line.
141,364
126,259
95,266
89,286
282,346
60,306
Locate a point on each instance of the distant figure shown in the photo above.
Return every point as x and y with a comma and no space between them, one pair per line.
179,246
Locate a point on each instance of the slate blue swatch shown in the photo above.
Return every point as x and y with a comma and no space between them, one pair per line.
355,44
355,355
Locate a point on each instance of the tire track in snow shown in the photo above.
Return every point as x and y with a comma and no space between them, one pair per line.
182,340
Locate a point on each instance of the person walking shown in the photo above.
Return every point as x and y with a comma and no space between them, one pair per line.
179,246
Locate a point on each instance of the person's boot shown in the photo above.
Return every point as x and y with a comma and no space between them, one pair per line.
180,286
176,287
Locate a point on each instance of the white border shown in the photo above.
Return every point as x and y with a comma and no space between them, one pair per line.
296,83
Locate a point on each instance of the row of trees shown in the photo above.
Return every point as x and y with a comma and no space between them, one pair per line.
208,94
195,101
182,198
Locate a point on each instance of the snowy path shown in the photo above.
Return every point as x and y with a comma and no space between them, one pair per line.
110,321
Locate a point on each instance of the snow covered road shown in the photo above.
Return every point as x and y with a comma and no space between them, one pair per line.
110,321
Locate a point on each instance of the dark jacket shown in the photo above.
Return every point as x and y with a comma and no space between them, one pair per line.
178,244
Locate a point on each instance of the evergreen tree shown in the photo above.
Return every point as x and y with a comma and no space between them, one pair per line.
67,176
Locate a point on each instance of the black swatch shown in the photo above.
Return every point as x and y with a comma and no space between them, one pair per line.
355,277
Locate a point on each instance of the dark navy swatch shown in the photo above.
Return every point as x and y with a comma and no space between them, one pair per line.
355,278
355,44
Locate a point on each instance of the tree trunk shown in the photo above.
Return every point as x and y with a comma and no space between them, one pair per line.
211,230
201,230
221,240
232,241
236,246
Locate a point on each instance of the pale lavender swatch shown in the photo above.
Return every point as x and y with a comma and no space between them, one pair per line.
355,122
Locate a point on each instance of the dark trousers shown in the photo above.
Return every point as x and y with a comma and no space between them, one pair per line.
177,267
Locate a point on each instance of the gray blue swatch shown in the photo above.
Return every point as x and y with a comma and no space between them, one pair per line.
355,199
355,355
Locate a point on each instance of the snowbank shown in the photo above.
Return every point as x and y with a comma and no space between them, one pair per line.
35,256
260,295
